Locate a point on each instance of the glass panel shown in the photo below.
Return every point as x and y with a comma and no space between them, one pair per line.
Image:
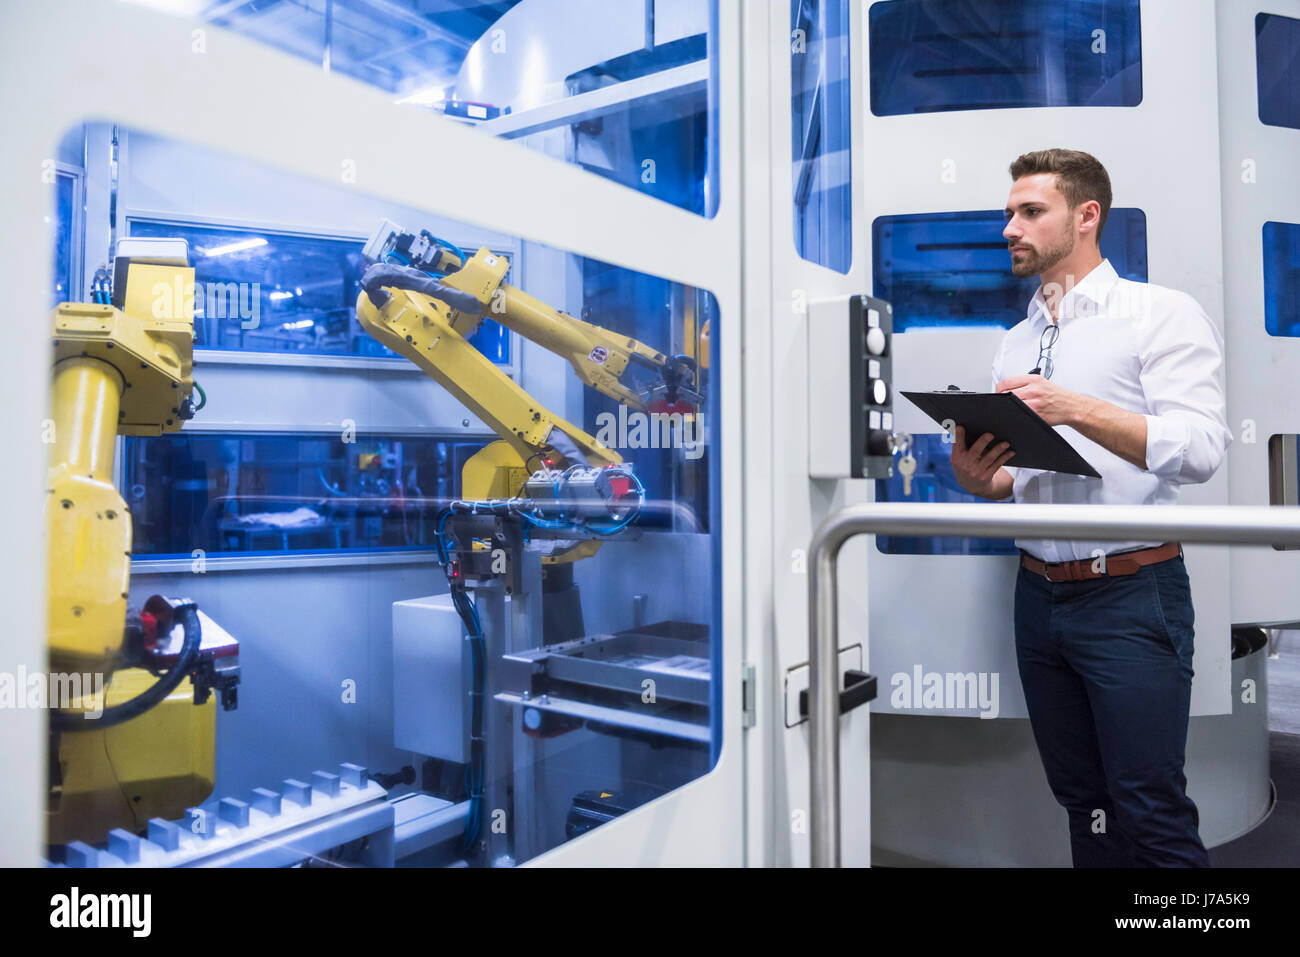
520,68
1277,69
953,269
1282,279
820,132
266,494
65,198
391,44
265,291
660,145
545,658
631,304
934,481
990,54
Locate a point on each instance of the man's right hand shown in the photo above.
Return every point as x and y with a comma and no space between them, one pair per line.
978,468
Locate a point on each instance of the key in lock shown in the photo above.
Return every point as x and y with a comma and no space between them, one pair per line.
907,468
907,462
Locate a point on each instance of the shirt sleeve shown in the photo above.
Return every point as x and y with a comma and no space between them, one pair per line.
1181,356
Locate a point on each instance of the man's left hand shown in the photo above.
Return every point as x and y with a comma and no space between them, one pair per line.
1055,405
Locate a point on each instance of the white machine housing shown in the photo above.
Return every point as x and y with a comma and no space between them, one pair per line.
431,670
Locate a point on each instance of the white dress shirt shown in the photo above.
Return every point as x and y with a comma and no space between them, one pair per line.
1143,348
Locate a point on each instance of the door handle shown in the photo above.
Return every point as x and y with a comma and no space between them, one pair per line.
859,688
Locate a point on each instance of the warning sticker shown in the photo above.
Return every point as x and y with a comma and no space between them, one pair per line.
598,355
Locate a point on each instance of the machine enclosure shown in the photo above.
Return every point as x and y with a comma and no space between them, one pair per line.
431,675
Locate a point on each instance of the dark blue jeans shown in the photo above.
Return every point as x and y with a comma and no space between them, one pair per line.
1106,667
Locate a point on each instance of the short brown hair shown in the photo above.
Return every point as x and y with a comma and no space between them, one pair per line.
1079,176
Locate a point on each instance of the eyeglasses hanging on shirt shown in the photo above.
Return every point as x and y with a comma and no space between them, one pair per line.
1045,343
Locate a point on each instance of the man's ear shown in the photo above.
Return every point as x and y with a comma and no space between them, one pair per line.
1089,216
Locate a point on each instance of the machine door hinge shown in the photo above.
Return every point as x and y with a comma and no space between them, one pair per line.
749,690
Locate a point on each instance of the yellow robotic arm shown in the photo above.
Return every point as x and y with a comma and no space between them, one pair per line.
598,356
429,319
128,745
124,371
433,334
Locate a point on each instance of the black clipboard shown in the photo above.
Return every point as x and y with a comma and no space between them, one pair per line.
1037,445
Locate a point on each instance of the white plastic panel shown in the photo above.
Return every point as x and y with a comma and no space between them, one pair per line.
783,507
953,613
1259,186
430,669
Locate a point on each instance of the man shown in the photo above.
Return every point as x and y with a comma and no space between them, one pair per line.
1131,373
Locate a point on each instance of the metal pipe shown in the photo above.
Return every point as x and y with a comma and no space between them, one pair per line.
1192,524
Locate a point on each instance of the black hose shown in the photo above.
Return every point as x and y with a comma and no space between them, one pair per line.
392,780
478,654
406,277
188,616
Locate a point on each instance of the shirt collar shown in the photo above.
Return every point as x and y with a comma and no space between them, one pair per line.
1095,287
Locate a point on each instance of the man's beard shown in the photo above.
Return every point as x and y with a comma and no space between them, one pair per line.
1036,263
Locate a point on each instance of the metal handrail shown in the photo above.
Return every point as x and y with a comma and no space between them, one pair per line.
1193,524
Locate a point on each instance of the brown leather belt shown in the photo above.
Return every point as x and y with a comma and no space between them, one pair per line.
1125,563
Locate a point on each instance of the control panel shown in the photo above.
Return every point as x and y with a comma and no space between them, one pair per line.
850,388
